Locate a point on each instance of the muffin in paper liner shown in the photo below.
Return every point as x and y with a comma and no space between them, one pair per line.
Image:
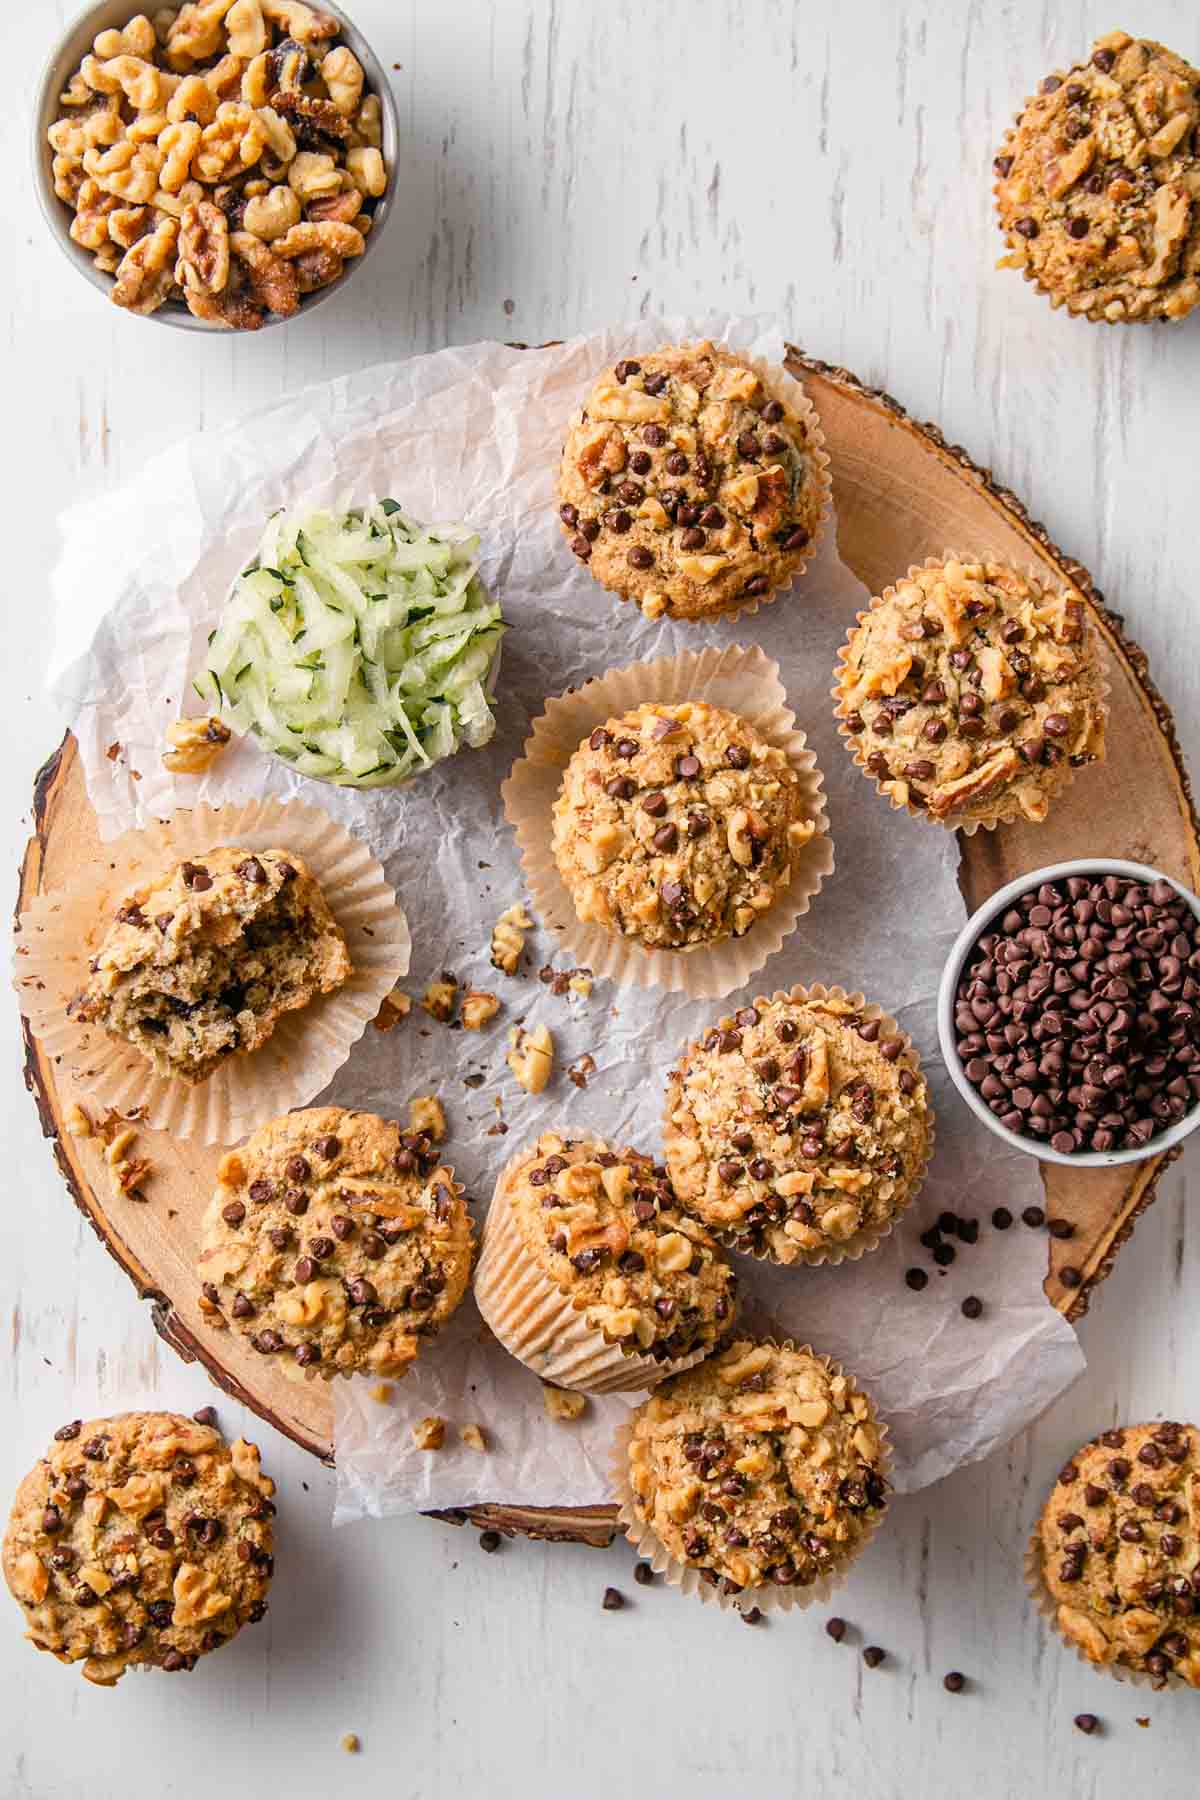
784,387
1047,1606
542,1326
1063,773
866,1238
1086,303
740,679
61,930
687,1578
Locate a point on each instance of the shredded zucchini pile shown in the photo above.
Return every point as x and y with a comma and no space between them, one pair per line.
358,645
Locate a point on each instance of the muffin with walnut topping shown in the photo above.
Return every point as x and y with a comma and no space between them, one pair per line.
202,960
690,484
679,825
335,1243
140,1541
799,1128
1098,184
590,1274
969,693
1116,1554
762,1472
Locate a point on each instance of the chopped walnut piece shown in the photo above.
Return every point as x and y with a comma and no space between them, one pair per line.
562,1404
473,1436
531,1057
478,1008
429,1433
508,938
580,1069
382,1393
395,1006
427,1114
440,997
352,1743
195,745
79,1124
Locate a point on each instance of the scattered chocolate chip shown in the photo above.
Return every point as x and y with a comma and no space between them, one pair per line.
954,1682
1034,1216
489,1541
205,1415
873,1655
972,1307
916,1279
1087,1723
613,1600
836,1629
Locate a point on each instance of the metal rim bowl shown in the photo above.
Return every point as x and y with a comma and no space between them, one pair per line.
975,927
74,44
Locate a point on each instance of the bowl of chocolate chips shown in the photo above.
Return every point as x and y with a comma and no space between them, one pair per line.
1069,1013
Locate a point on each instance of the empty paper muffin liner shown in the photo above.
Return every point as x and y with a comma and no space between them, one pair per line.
543,1327
61,931
1047,1606
742,680
1064,772
650,1547
868,1237
782,386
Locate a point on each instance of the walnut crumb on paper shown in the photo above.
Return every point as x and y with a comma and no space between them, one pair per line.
195,745
382,1393
352,1743
395,1006
580,1069
79,1124
479,1008
427,1114
473,1436
508,938
440,998
531,1057
430,1433
562,1404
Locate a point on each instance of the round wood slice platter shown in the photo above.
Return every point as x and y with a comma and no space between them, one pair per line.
902,494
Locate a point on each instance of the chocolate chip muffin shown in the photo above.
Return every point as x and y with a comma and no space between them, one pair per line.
1098,184
690,487
799,1128
335,1242
1118,1550
140,1541
761,1467
679,825
202,960
970,692
600,1232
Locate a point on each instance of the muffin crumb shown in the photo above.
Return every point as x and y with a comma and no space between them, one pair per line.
429,1433
563,1404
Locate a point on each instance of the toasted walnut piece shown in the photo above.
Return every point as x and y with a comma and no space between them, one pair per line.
382,1393
429,1433
136,39
396,1006
104,128
478,1008
368,122
367,171
246,30
439,998
146,273
562,1404
310,25
203,265
341,240
426,1113
342,206
258,81
195,34
138,80
232,144
122,172
342,74
508,938
89,227
317,269
351,1743
312,174
473,1436
79,1124
272,282
531,1057
579,1071
272,214
195,745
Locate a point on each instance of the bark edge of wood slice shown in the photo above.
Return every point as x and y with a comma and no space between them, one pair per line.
896,482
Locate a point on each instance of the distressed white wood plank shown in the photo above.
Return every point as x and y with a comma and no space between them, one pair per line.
564,166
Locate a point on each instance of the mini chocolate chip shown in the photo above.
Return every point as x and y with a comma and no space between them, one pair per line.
916,1279
836,1629
1034,1216
196,877
234,1213
613,1600
954,1682
1087,1723
873,1655
972,1307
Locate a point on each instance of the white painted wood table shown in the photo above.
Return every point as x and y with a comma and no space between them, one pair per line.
564,166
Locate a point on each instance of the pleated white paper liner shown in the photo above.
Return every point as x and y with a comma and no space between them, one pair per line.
61,931
1064,773
868,1237
742,680
782,386
767,1597
543,1327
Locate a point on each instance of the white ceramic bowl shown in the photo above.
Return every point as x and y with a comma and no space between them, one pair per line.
76,42
975,927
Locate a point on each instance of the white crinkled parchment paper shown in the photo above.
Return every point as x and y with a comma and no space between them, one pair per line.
475,433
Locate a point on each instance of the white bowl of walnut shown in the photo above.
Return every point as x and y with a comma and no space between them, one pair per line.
220,165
